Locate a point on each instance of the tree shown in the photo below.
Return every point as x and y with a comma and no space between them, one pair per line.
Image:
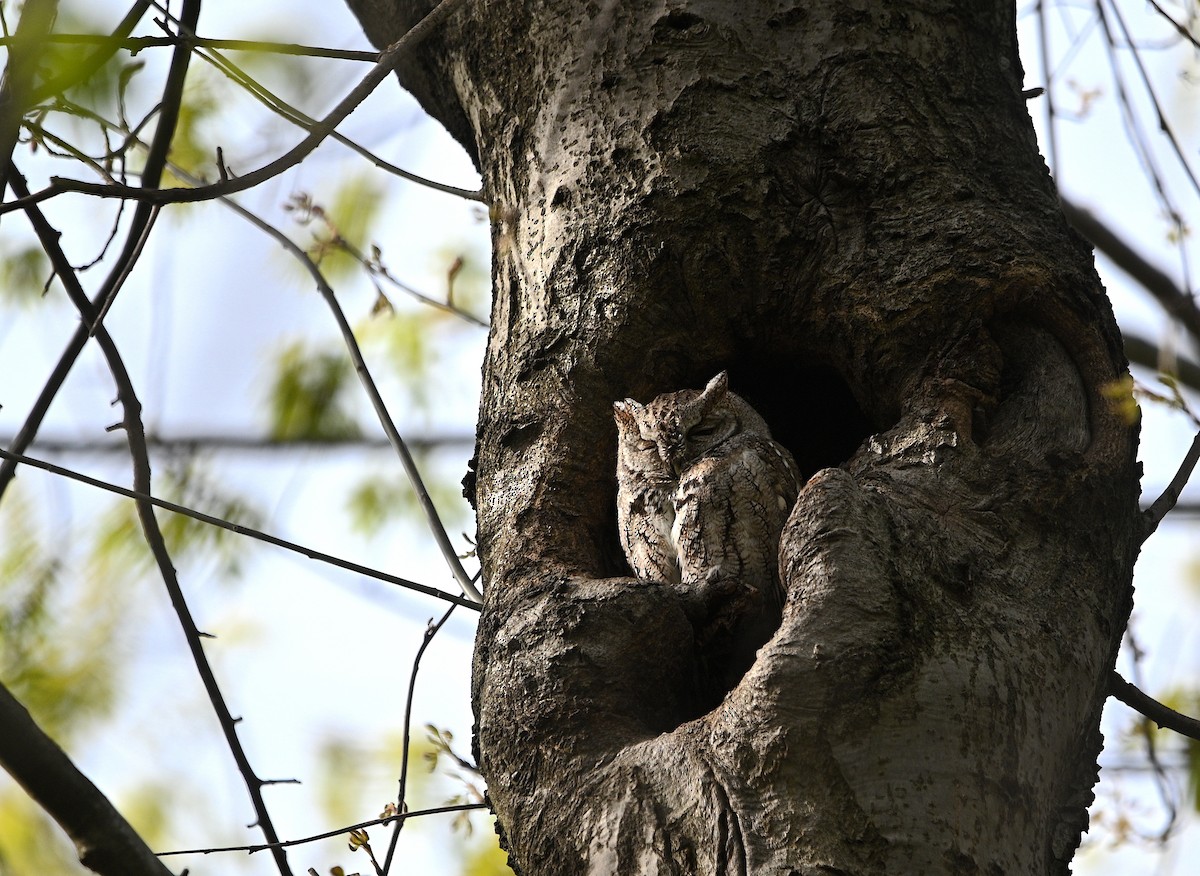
843,205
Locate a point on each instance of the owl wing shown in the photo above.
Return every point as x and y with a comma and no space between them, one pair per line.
644,516
729,512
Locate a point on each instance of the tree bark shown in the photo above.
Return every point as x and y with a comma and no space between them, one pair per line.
841,203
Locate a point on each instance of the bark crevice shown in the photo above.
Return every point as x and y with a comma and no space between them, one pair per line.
843,205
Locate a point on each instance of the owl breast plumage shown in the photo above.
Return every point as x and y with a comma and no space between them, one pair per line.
702,494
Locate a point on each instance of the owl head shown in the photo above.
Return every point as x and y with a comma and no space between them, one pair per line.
678,428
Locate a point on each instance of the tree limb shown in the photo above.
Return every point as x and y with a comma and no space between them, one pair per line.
387,63
135,433
105,841
1175,301
197,441
1149,355
1144,704
109,45
1153,515
37,17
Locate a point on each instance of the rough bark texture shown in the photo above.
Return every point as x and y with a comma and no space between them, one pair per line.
842,203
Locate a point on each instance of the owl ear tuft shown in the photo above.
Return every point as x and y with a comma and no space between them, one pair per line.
718,384
624,410
715,390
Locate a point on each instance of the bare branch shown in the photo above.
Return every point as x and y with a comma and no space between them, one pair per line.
37,17
156,160
1153,515
465,582
103,838
1163,716
238,528
1163,125
1179,28
449,554
292,114
135,433
430,631
1175,301
399,816
174,444
139,230
109,46
372,265
1141,352
121,40
438,530
388,61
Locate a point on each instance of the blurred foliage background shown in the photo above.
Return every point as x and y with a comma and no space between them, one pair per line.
255,414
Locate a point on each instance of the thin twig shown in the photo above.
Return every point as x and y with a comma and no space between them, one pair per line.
1133,130
1143,703
109,46
134,45
135,433
375,268
388,61
1154,515
37,17
1179,28
430,631
238,528
169,108
294,115
399,816
1163,125
449,554
216,441
1139,351
437,529
1167,789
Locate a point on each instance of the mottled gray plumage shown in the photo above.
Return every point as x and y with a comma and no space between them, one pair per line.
702,495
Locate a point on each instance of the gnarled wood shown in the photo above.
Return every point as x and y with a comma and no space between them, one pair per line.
842,203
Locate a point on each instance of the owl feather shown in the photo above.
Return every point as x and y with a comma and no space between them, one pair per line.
703,492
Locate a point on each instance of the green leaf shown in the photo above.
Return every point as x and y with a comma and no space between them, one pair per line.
64,679
308,399
378,501
191,146
23,274
120,542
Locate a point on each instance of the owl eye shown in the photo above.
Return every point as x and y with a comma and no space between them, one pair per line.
704,429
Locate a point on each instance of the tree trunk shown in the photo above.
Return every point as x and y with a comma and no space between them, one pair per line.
841,203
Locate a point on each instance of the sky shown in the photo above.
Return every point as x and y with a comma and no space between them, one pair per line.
311,653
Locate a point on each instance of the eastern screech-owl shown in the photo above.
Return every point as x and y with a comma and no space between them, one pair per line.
702,495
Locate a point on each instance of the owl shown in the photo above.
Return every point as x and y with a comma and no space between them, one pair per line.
702,495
